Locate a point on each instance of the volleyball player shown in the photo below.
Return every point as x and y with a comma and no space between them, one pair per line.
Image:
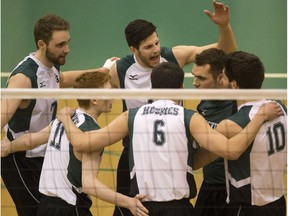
208,73
68,176
133,71
41,69
256,185
162,148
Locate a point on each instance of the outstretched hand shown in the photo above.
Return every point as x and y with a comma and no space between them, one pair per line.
136,207
270,110
220,15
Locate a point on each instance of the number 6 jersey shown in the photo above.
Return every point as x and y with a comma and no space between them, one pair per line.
161,152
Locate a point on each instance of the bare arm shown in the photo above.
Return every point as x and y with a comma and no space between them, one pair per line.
9,106
67,78
231,148
203,157
226,41
114,80
96,139
221,17
26,142
91,185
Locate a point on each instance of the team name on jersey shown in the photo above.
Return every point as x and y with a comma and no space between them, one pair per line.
160,111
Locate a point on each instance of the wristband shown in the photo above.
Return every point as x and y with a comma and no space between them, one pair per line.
108,64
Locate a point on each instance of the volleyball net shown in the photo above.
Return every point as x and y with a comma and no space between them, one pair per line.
190,98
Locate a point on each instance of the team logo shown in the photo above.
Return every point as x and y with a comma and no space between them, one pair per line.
204,112
133,77
57,78
42,84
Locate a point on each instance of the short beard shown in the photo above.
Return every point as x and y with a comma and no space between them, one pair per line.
56,61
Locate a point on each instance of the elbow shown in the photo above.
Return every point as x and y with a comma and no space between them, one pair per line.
85,189
85,186
233,156
78,148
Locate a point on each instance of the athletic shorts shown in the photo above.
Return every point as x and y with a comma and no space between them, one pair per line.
55,206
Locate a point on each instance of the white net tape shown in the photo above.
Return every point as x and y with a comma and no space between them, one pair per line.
203,94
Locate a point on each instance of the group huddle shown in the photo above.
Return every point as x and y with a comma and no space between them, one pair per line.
50,164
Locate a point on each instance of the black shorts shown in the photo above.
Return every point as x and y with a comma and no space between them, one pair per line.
54,206
276,208
21,177
211,200
181,207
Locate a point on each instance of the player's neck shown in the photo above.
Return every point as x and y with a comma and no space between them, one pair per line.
91,112
42,58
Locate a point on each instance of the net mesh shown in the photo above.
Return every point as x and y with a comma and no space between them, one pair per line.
107,174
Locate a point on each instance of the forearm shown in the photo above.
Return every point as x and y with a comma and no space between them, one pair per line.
203,157
240,142
21,144
227,41
31,140
101,191
68,77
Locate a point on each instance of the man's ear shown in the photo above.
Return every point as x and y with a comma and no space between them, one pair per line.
41,44
234,84
133,49
219,80
94,101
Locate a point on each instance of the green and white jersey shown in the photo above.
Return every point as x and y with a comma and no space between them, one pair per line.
134,76
161,152
61,174
214,111
40,112
256,178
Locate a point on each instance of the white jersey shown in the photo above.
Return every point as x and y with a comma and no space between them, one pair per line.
161,152
133,76
256,178
62,171
40,112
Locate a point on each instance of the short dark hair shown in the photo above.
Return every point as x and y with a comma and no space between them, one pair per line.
167,75
213,57
245,68
137,31
90,80
46,25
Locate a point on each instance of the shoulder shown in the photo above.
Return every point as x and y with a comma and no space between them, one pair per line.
168,54
27,67
125,62
85,122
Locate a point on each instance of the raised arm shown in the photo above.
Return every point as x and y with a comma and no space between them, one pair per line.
26,142
91,185
96,139
231,148
226,40
221,17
